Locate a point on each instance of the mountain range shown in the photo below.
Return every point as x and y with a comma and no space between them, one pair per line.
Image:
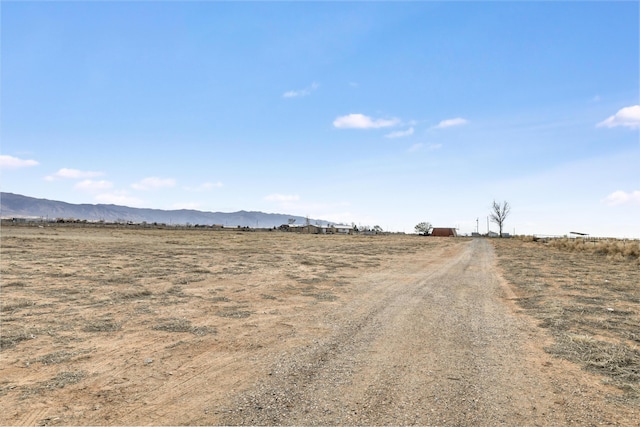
19,206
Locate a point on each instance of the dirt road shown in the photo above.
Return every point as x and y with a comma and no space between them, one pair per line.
165,328
436,345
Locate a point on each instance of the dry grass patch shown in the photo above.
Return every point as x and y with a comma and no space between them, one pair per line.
61,380
129,293
589,301
613,249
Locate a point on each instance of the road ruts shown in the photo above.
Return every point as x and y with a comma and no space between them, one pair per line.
434,345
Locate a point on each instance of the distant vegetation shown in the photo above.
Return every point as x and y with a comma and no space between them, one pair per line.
423,228
615,249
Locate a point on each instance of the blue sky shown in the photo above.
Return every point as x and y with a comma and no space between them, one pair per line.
378,113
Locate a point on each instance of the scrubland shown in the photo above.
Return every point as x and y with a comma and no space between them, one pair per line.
613,249
123,326
587,295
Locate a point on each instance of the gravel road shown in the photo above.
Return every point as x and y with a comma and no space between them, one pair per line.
439,345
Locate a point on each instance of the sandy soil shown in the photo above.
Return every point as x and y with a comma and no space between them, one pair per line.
132,327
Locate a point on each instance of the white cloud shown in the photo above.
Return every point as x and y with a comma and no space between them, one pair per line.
153,183
92,186
623,198
119,198
10,162
282,198
66,173
207,186
458,121
302,92
627,117
360,121
400,133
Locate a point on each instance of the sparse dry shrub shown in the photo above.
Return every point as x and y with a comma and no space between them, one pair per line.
617,250
587,301
632,250
616,257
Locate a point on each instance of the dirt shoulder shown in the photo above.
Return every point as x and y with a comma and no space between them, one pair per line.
155,327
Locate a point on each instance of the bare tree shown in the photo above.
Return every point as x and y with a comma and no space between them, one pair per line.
499,213
423,228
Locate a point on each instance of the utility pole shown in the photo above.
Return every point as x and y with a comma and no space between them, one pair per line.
478,225
487,226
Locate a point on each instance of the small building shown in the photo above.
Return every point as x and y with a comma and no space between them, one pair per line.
576,234
341,229
312,229
444,232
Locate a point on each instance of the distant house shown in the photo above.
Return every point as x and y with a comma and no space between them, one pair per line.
340,229
317,229
304,229
444,232
312,229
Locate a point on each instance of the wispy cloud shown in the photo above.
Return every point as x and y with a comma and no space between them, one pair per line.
627,117
623,198
207,186
282,198
360,121
93,186
66,173
400,133
10,162
458,121
302,92
154,183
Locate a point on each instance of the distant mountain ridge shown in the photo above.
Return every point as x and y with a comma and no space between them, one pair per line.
19,206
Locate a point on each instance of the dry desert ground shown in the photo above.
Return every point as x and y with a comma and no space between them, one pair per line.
123,326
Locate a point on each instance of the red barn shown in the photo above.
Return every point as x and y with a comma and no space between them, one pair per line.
444,232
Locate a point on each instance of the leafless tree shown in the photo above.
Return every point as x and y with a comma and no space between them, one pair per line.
499,213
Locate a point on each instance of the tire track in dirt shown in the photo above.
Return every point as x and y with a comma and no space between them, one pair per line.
434,346
34,417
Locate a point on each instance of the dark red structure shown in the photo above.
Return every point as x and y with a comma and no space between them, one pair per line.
444,232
